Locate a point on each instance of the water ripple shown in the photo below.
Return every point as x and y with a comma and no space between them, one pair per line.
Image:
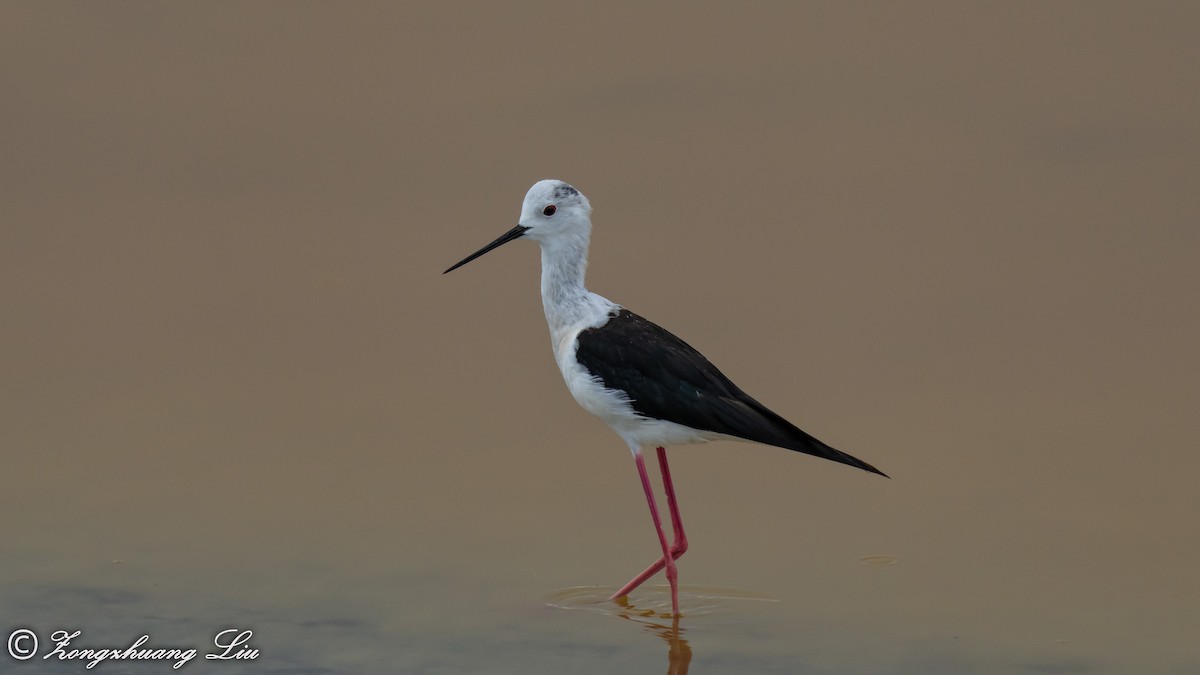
655,601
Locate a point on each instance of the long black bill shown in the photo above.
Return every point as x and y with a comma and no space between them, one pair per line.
515,233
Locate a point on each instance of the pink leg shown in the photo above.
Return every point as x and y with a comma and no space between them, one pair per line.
677,549
672,573
681,544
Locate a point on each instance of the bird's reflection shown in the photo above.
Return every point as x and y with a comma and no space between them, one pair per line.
665,626
652,611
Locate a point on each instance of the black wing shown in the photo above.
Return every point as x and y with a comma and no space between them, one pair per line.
667,379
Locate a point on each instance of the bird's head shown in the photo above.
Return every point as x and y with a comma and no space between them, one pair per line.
552,211
553,208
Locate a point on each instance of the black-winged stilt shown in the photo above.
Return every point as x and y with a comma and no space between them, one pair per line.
652,388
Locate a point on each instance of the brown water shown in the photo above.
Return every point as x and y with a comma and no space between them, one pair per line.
958,241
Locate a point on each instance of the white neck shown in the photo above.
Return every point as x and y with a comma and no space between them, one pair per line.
566,302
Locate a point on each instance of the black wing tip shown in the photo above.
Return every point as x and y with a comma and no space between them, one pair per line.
867,467
826,452
816,448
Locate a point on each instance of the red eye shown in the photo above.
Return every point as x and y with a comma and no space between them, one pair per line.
550,210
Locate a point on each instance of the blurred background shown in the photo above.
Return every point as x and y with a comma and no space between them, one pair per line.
959,241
